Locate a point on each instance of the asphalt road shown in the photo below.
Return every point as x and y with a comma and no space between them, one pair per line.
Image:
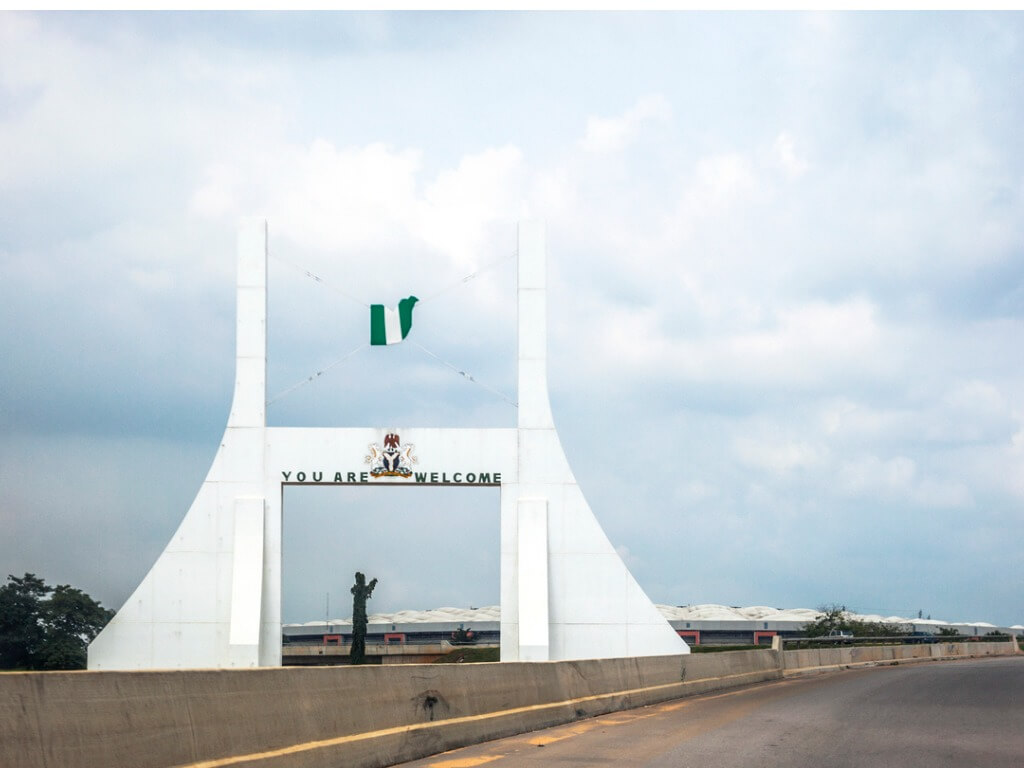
968,714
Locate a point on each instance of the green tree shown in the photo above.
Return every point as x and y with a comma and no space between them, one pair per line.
44,627
361,592
837,618
833,617
21,626
71,620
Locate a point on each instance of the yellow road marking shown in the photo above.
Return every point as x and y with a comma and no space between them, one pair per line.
415,727
506,747
466,762
577,729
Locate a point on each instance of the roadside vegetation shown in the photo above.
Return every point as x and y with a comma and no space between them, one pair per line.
720,648
835,620
44,627
469,655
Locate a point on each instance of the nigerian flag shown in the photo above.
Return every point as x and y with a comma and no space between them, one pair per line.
390,326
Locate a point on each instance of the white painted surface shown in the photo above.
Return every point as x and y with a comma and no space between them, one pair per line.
565,593
595,607
392,326
247,574
532,567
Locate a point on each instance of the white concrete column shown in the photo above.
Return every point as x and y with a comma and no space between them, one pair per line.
537,454
532,566
534,407
248,409
246,581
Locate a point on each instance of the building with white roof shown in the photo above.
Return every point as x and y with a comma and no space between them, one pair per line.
708,624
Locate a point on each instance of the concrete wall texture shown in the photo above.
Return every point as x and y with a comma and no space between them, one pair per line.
360,717
828,658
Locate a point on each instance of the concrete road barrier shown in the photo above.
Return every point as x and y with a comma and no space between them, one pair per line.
807,660
360,717
353,716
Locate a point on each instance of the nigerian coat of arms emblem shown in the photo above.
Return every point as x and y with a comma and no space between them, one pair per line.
393,460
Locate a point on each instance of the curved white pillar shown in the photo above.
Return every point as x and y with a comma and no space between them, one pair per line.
213,598
591,606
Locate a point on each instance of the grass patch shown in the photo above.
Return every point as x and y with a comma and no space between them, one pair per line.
469,656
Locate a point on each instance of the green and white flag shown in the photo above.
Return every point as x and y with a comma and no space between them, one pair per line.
390,326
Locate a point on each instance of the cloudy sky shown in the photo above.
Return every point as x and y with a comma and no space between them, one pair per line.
786,257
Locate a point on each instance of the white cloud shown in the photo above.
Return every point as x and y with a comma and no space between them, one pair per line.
218,195
898,479
372,198
869,473
695,492
810,340
805,344
319,196
461,204
96,113
778,456
978,401
829,341
720,182
611,134
857,423
785,154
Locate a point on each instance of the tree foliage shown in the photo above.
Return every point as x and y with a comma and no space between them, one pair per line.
837,618
43,627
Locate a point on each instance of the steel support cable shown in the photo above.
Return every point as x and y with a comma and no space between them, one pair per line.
467,278
445,363
467,376
316,278
461,281
315,376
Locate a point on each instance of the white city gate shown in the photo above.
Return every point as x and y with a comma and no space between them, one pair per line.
213,598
